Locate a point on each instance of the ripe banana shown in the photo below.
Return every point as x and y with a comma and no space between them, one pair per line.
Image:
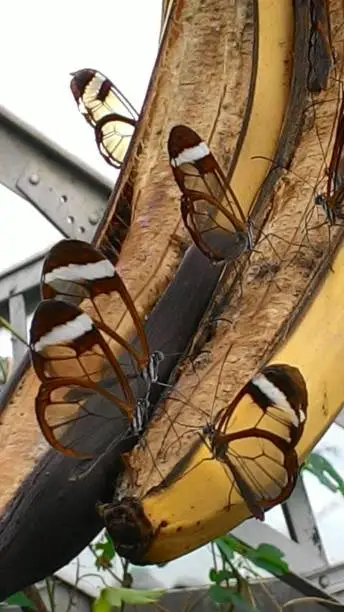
188,510
194,509
246,457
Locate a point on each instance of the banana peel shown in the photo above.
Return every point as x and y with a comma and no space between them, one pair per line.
193,509
146,186
202,76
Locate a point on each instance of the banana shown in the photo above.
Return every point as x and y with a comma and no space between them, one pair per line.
180,509
202,76
268,416
194,509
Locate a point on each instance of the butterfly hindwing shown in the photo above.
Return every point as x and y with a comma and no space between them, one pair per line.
107,110
113,134
63,404
262,467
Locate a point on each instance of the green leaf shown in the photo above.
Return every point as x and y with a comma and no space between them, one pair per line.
241,603
105,552
115,597
21,600
266,556
270,558
106,547
269,550
101,604
221,595
324,471
218,594
226,545
220,576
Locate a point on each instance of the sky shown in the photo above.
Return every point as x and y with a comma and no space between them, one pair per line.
120,39
50,40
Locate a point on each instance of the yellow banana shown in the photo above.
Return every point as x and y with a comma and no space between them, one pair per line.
189,510
194,509
268,417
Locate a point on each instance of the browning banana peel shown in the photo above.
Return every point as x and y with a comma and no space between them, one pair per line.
193,509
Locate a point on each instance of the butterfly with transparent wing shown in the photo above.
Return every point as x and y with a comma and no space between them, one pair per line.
107,110
209,206
70,348
76,272
262,459
254,438
68,354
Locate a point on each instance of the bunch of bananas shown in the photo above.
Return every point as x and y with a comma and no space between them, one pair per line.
209,461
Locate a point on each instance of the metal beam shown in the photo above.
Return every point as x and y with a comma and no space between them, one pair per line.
21,278
70,194
340,418
17,313
301,522
301,558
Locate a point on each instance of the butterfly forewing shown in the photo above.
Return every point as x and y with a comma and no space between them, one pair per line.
337,152
96,96
210,209
331,200
77,272
108,111
196,169
276,400
335,186
113,134
65,343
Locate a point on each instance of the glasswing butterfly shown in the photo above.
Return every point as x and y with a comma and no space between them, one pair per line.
254,438
209,206
261,458
107,110
70,347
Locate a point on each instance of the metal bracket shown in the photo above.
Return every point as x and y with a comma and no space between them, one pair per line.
71,195
59,203
300,557
21,278
302,524
340,417
18,322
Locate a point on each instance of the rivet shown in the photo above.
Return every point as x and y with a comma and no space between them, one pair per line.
34,179
93,218
324,581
